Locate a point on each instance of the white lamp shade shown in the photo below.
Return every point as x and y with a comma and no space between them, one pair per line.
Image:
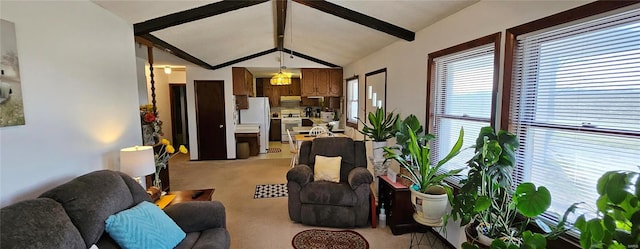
137,161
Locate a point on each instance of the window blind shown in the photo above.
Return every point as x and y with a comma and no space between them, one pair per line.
575,106
352,100
463,95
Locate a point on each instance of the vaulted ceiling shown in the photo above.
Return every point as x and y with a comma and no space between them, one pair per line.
333,33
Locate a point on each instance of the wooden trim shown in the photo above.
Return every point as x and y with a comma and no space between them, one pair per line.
347,122
587,10
492,38
229,63
190,15
359,18
382,70
304,56
157,42
281,23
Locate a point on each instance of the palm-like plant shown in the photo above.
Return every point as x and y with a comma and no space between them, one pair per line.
382,126
427,179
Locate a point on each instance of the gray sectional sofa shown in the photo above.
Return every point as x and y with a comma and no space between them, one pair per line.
73,215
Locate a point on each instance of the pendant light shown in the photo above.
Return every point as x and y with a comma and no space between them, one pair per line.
281,79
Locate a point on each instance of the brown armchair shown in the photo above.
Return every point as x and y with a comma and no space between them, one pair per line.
323,203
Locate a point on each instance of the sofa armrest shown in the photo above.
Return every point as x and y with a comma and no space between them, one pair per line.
197,216
359,176
300,174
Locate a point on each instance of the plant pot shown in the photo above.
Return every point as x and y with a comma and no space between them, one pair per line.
378,152
472,235
430,208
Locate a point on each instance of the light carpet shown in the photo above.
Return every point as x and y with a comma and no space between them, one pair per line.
257,223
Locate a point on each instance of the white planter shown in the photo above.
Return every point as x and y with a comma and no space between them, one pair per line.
429,208
378,152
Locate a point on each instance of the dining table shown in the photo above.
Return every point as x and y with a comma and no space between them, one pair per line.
299,138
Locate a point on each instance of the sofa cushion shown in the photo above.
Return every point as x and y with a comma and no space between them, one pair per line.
328,193
38,223
144,226
89,199
327,169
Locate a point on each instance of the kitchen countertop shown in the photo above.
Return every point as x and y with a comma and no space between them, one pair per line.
247,128
306,129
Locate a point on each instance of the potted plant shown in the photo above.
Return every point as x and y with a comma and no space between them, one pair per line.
487,204
381,129
617,219
429,194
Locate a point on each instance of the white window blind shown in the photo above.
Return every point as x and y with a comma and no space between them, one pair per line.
575,106
463,96
352,100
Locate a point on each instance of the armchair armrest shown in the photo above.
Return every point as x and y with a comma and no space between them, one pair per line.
300,174
358,176
196,216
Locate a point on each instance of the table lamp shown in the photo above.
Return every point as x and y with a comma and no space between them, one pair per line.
137,161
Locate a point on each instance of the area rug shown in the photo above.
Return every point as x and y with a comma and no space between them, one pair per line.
271,191
274,150
325,239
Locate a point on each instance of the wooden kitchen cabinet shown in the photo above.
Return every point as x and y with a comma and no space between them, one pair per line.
274,92
321,82
242,81
305,101
397,204
275,133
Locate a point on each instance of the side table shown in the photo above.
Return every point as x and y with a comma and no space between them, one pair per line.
175,197
396,199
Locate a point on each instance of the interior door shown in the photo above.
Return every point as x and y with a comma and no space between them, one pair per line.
210,119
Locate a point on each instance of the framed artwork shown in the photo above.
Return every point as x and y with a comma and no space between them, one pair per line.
11,107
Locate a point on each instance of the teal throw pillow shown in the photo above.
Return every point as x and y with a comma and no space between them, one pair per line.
144,226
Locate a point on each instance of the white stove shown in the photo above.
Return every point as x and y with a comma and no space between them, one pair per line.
290,118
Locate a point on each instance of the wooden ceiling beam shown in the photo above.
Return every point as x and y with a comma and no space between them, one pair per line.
304,56
190,15
281,22
359,18
165,46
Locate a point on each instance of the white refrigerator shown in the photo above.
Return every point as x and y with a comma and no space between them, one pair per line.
259,113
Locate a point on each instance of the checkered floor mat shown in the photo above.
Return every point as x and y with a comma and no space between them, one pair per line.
271,191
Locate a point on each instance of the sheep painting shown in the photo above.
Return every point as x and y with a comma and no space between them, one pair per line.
11,107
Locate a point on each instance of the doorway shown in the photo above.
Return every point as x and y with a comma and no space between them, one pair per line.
210,120
179,123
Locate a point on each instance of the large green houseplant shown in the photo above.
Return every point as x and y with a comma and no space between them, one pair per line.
617,220
379,129
487,201
429,194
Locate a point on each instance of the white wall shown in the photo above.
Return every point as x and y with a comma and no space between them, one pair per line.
78,71
163,102
224,74
406,62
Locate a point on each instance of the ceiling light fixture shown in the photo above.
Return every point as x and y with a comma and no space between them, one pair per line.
281,79
167,69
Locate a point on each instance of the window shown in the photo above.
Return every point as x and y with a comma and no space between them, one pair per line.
575,105
352,102
462,80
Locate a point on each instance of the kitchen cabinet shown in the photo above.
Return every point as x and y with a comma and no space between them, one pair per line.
242,81
275,130
321,82
307,122
274,92
305,101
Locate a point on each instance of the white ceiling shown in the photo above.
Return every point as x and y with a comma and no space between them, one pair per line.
250,30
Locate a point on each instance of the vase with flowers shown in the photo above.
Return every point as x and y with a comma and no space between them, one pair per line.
151,125
166,152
